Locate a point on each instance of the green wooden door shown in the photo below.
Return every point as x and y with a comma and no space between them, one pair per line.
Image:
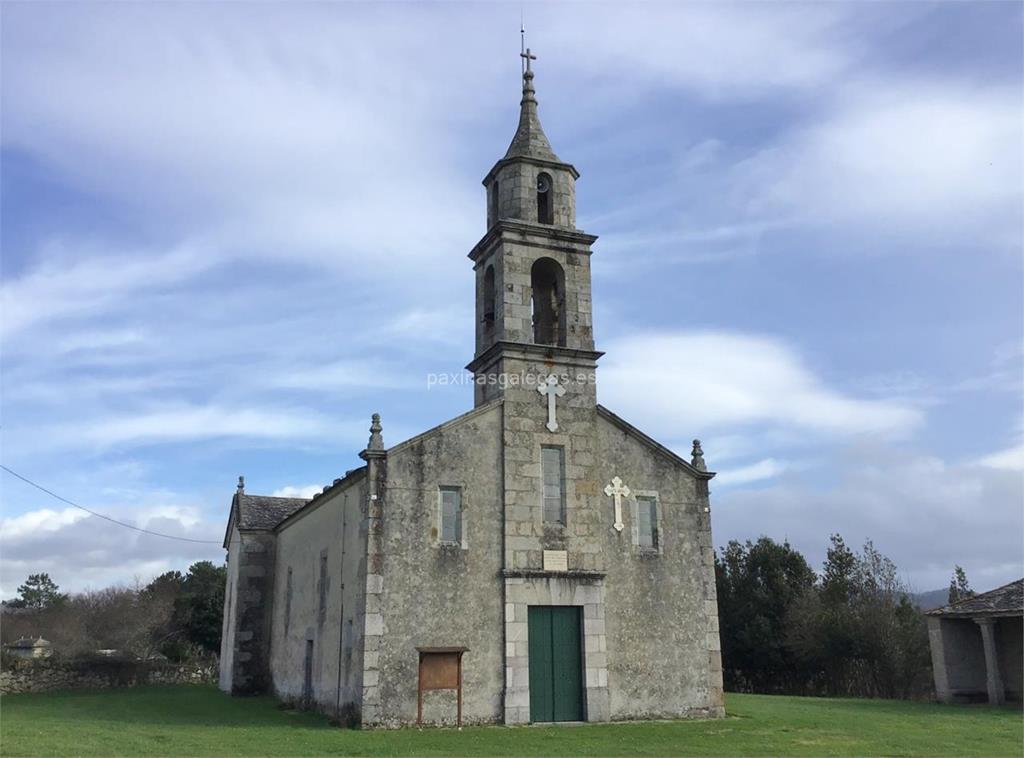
556,666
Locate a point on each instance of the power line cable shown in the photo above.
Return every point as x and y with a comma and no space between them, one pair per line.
100,515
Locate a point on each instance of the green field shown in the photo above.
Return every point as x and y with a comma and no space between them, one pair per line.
196,720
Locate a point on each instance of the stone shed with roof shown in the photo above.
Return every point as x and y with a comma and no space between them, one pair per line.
978,646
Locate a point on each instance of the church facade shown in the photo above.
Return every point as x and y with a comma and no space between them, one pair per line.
535,559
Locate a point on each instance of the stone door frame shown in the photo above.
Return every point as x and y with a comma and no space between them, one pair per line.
582,589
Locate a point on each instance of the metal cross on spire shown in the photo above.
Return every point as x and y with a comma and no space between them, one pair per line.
528,56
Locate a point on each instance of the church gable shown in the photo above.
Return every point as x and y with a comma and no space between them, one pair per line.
447,472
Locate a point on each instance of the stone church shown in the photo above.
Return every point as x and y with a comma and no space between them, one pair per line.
535,559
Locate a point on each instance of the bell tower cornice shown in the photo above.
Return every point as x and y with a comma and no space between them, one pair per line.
540,163
535,235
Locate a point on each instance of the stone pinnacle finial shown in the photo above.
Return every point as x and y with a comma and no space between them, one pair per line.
241,485
698,457
376,438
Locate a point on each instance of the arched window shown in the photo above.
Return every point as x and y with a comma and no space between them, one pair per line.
494,202
545,193
489,300
547,284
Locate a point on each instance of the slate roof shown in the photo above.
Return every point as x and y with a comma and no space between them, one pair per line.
1007,600
262,512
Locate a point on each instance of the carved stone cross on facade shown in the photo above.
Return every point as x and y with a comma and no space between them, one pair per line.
552,390
617,490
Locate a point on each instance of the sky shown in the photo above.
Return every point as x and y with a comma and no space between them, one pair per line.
230,232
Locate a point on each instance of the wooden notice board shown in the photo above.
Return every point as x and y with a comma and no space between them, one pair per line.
440,669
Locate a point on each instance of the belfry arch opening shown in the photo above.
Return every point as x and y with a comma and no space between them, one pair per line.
488,301
545,199
547,286
492,199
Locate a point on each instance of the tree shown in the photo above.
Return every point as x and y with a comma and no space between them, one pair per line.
757,585
858,629
199,609
959,587
39,591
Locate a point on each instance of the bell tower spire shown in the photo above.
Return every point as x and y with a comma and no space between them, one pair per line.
533,264
530,140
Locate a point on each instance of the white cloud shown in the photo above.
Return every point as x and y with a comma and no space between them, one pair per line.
267,135
346,374
305,491
769,468
707,381
719,50
204,422
80,551
73,281
1010,459
34,522
900,157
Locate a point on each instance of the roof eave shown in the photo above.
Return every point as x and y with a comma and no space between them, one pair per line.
654,444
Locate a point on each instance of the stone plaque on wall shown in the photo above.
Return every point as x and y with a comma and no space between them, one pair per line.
556,560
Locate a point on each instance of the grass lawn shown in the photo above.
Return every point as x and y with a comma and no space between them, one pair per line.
199,720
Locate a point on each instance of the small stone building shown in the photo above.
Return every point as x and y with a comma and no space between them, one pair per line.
537,558
978,646
30,647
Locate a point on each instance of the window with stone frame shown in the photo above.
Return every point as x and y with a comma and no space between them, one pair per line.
647,522
288,601
450,515
552,464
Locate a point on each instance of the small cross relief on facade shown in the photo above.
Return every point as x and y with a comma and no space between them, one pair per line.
617,490
552,390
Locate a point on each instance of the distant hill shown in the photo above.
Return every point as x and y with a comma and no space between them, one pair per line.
926,601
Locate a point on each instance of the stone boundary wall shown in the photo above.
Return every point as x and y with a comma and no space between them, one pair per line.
49,675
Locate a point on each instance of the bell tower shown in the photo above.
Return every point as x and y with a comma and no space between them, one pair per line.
533,306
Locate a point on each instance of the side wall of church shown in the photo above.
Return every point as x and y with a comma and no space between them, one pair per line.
320,627
661,617
434,594
227,638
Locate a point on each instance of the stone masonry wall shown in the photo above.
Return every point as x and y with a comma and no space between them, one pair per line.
51,675
330,528
433,594
664,655
253,608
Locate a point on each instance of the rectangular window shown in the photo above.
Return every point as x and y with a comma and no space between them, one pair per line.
288,601
451,515
322,588
647,521
552,463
